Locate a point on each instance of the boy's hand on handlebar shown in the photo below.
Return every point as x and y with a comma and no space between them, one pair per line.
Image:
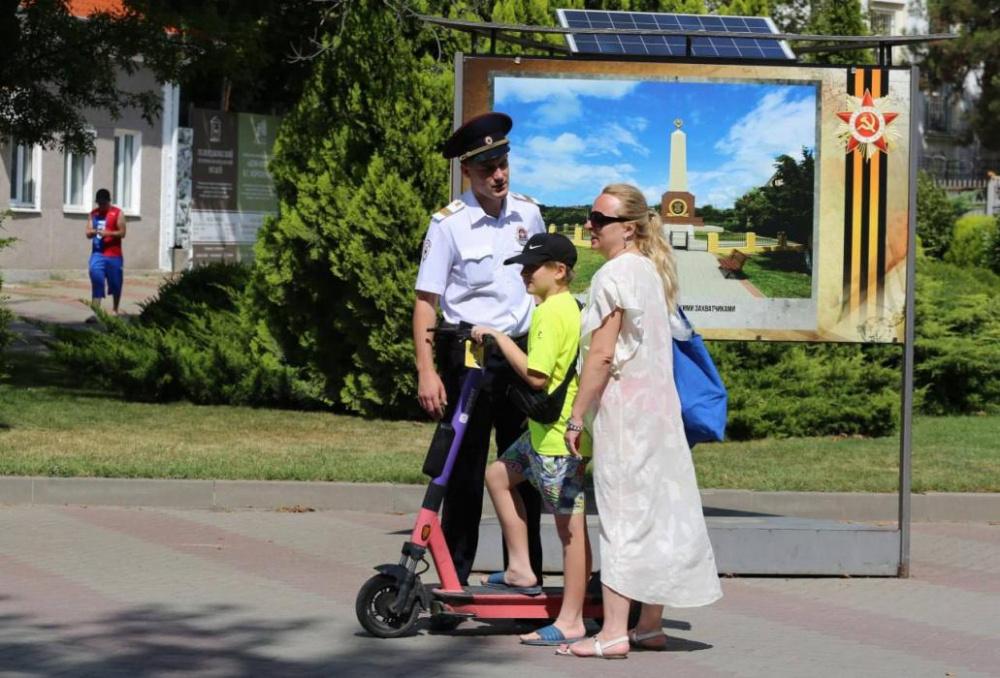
431,394
480,332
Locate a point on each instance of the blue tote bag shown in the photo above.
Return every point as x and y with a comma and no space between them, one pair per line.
702,394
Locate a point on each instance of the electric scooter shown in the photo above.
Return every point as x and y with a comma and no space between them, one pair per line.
389,604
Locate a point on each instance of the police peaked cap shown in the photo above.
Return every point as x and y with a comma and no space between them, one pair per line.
481,138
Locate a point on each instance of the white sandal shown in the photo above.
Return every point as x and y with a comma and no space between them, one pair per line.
599,648
636,639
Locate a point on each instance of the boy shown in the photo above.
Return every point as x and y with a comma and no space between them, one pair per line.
540,455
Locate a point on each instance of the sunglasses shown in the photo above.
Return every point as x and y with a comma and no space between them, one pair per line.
598,220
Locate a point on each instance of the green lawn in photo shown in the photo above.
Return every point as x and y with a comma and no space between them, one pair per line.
50,425
587,263
779,275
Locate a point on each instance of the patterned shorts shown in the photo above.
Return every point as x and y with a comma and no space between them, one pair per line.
559,480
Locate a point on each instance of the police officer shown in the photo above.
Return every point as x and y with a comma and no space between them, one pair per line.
462,270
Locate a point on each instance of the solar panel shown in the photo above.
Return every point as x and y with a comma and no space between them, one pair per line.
661,45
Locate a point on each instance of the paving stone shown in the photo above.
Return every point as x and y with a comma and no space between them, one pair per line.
110,591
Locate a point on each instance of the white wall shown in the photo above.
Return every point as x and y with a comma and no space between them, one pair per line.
52,239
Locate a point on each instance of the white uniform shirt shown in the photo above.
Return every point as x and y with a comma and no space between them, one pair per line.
463,259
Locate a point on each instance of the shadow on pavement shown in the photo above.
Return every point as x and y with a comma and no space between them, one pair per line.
157,640
511,628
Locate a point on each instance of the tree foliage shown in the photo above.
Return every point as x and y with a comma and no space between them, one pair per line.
196,341
936,215
358,171
993,253
838,17
957,349
784,390
784,204
54,66
250,55
974,56
970,243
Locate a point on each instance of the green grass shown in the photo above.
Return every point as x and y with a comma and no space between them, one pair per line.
51,425
779,275
587,263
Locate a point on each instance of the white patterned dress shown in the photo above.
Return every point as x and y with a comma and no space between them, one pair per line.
654,543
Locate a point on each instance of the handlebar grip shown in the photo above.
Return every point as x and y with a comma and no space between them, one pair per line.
451,331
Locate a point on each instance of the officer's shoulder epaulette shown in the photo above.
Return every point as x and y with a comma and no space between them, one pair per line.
453,207
525,198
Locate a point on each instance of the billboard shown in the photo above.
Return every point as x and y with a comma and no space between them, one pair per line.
784,190
231,189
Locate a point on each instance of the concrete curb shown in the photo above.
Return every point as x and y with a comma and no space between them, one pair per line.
390,498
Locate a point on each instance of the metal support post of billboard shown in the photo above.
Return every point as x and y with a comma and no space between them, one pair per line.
906,425
456,170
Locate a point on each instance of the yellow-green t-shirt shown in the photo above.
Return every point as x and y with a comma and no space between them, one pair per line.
552,345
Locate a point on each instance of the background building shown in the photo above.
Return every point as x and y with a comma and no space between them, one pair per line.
49,193
950,152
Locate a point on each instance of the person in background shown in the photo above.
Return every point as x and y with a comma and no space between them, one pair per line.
106,230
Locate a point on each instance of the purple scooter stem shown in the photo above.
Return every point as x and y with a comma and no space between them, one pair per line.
459,421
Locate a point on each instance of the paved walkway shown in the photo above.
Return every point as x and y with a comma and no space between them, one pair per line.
64,302
703,269
154,592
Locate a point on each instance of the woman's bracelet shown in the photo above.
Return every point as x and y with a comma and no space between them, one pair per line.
574,426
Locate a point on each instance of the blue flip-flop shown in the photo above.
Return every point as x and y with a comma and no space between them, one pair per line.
496,581
550,635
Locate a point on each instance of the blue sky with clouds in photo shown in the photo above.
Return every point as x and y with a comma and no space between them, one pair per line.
573,136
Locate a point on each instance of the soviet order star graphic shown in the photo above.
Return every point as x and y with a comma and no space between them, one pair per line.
867,125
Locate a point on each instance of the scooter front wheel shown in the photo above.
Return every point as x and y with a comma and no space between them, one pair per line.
373,608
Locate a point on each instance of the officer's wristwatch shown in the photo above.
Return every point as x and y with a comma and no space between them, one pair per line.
574,426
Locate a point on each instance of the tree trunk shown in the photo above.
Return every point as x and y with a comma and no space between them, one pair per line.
226,95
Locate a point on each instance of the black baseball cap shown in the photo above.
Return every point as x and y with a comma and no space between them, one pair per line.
481,138
546,247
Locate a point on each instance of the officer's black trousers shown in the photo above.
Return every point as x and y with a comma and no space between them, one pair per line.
463,501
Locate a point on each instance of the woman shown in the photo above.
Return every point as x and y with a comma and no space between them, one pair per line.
654,543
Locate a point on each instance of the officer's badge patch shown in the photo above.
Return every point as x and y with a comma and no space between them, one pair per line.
427,248
522,236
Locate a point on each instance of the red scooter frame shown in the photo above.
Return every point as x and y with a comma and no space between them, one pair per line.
389,604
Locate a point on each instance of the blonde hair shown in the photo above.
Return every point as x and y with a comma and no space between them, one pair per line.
649,238
568,276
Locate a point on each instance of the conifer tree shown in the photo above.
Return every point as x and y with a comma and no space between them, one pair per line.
358,172
838,17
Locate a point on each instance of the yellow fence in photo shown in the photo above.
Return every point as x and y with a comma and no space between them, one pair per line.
751,243
748,243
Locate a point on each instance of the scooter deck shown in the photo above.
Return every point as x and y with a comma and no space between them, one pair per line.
470,592
486,602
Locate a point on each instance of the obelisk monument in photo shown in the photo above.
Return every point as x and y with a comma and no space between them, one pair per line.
677,205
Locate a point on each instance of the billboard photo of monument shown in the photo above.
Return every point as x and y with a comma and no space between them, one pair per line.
782,189
734,190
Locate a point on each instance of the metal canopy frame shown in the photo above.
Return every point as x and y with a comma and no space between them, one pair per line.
820,43
510,33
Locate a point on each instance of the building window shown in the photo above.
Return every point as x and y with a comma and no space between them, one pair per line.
77,182
937,112
881,21
25,176
127,152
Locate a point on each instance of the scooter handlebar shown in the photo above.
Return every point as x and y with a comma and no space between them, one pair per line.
460,333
